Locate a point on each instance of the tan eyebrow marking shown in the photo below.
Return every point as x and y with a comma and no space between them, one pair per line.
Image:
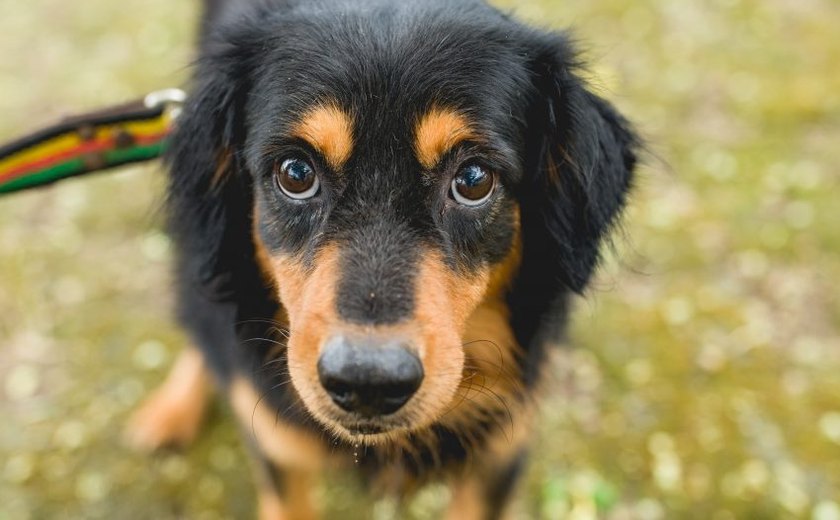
437,132
328,129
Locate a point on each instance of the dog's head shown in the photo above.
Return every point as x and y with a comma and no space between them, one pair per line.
394,172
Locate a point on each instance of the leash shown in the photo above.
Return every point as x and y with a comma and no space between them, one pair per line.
110,137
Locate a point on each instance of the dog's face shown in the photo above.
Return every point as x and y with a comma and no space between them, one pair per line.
393,169
385,208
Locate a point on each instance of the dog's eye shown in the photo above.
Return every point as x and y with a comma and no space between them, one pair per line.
296,178
473,185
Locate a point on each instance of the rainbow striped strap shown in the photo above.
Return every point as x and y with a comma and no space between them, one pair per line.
123,134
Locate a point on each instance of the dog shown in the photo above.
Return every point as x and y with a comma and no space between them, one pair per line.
382,211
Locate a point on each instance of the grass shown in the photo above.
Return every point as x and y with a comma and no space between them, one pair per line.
702,381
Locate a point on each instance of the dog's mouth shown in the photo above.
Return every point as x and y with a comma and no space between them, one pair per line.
366,428
369,429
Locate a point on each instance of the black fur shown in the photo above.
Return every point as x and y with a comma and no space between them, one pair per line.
564,156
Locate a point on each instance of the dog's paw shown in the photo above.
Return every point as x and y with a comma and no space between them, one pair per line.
172,415
163,422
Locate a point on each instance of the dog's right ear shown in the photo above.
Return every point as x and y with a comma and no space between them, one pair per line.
209,196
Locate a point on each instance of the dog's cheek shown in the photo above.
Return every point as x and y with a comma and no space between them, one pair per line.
444,302
487,349
312,316
284,273
503,272
283,443
290,280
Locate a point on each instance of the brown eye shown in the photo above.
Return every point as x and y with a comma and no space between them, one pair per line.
296,178
473,185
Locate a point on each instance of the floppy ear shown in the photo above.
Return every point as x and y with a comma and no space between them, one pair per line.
580,158
584,164
209,196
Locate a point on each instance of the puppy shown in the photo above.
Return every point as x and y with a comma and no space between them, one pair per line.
381,211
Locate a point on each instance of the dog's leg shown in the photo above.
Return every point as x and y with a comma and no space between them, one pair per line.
288,499
288,458
173,414
282,494
484,492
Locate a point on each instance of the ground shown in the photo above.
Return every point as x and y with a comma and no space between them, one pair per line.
702,378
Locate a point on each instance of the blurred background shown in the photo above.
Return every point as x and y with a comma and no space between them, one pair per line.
704,377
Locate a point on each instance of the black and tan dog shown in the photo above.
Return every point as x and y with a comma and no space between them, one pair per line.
382,210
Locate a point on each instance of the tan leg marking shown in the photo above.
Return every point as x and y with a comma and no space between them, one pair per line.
173,414
270,506
294,452
467,502
298,505
285,445
473,493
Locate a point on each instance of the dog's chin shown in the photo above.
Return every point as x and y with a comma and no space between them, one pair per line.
368,432
366,429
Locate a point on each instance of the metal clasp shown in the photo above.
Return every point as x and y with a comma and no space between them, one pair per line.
171,98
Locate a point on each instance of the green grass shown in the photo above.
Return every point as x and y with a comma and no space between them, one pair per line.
703,382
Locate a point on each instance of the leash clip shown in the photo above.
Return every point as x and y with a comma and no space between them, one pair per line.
172,99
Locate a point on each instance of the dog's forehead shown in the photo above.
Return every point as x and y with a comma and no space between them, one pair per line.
389,70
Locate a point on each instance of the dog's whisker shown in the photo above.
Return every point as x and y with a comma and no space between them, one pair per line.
267,340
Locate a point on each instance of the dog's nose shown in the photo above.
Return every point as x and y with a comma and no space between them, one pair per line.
369,376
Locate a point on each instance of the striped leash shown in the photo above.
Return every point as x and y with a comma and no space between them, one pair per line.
95,141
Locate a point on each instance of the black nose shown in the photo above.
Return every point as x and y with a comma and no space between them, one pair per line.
369,376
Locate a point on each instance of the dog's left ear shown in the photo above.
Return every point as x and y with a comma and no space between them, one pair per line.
582,154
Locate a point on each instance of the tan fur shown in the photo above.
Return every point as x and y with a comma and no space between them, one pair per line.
501,275
469,496
491,375
459,327
298,504
283,444
263,257
329,129
317,299
469,490
224,158
294,451
443,303
299,488
437,132
270,506
173,414
490,384
467,502
309,299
